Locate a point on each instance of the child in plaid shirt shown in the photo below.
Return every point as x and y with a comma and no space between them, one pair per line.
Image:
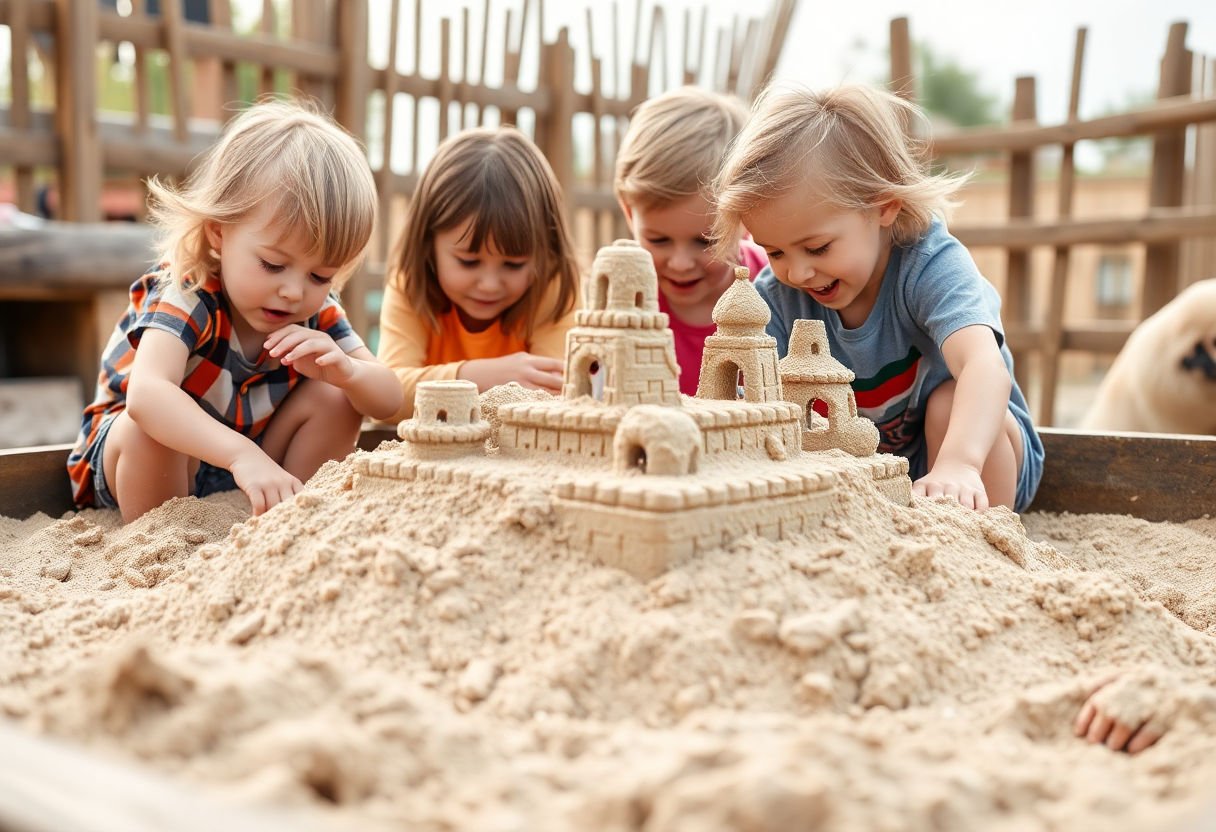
235,365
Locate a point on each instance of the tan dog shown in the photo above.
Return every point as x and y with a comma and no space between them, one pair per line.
1164,379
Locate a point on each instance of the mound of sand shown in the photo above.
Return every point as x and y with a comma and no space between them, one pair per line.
433,654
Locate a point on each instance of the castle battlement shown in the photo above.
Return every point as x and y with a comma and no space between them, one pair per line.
647,477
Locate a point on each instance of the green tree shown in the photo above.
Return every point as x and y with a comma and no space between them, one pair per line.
949,90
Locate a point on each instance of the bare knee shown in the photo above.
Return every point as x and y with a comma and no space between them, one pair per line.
141,472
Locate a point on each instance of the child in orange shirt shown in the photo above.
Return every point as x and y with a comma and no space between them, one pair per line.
485,282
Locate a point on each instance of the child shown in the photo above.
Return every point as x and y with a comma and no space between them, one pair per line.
670,154
832,188
485,282
234,365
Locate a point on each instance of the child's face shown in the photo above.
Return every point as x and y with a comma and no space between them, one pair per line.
267,275
482,283
676,237
836,256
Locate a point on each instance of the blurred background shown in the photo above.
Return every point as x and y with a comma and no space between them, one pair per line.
1089,128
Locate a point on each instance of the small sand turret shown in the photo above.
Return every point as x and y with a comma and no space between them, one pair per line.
622,334
447,420
810,374
740,347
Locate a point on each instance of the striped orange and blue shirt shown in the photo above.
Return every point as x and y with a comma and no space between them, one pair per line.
240,393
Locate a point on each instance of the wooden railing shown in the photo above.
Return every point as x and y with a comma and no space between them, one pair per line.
1170,220
326,56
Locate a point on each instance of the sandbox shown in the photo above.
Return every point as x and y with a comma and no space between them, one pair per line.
447,650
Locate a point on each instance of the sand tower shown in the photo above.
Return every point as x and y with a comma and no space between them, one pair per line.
810,374
447,420
622,334
740,346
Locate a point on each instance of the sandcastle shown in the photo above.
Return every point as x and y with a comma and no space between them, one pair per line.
648,477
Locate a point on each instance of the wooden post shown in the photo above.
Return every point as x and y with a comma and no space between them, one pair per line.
553,133
1053,336
221,18
171,23
350,110
350,97
1162,260
1021,204
903,77
19,41
80,169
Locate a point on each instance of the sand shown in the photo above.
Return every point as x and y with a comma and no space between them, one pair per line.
433,654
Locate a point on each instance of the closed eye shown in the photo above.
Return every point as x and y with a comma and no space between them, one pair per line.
657,241
273,268
816,252
467,263
321,280
774,255
515,265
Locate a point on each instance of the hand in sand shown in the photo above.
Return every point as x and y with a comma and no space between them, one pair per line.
960,482
263,480
1097,724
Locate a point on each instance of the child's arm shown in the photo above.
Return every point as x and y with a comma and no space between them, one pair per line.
159,406
977,416
370,386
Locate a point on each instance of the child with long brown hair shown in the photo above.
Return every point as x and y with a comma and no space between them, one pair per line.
485,281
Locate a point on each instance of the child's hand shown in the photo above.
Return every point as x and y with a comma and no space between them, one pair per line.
263,480
1099,722
311,353
962,482
536,372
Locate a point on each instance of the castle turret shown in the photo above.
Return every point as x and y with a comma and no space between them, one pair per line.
740,347
810,375
621,338
447,420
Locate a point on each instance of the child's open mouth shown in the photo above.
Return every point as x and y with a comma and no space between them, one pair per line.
827,292
275,314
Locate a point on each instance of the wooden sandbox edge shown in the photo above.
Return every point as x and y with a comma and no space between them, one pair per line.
1148,475
48,786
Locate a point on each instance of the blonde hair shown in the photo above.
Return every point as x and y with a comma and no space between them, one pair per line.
499,180
852,144
674,146
288,152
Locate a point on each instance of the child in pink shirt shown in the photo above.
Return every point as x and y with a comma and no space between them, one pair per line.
670,154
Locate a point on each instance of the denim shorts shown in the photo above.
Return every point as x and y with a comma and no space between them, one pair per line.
208,480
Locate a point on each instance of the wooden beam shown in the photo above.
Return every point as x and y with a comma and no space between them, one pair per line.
201,40
74,256
1157,224
1165,113
1151,476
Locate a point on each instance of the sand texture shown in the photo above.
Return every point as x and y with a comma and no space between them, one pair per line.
432,654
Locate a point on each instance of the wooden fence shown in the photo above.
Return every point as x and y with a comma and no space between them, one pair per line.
323,50
1182,200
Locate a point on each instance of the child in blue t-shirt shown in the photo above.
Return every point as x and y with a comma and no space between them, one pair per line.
833,189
